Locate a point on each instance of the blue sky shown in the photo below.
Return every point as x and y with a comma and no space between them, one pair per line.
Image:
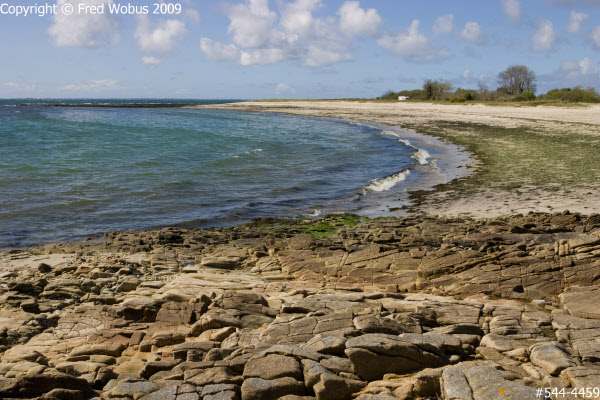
294,49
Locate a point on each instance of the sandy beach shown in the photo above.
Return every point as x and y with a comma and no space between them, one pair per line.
524,158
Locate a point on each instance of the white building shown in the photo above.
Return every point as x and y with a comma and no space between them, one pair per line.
403,98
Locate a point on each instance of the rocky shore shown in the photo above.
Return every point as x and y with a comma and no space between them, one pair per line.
409,308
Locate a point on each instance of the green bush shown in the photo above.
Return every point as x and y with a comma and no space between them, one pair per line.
577,94
416,94
469,97
528,95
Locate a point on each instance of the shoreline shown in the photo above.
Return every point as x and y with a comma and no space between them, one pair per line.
337,308
556,138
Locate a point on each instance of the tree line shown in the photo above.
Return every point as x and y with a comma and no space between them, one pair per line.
516,83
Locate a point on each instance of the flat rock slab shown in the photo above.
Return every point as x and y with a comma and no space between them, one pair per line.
581,301
482,382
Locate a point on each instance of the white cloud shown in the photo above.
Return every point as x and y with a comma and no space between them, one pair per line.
588,67
251,23
596,36
282,89
92,86
356,21
326,44
159,37
84,29
297,17
262,56
512,8
576,20
444,24
216,51
543,39
318,56
412,44
151,61
573,73
466,75
472,33
260,36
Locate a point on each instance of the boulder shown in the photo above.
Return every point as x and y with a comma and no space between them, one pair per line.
551,357
273,366
263,389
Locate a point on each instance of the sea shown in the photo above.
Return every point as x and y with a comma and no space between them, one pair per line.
71,169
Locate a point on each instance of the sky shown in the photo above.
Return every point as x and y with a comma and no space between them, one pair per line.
255,49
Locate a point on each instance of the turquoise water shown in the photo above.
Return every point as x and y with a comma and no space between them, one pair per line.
69,172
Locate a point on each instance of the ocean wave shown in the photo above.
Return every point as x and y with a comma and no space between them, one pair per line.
421,156
390,133
248,152
315,213
381,185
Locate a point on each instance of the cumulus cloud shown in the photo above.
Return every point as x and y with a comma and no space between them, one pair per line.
251,23
543,39
216,51
356,21
576,20
588,67
412,44
297,16
512,8
150,61
92,86
574,73
84,29
444,24
261,36
159,37
282,89
472,33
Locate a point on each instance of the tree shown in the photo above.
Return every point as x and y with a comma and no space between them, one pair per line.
517,79
482,86
436,90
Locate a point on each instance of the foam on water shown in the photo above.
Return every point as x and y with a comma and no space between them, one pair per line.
421,156
384,184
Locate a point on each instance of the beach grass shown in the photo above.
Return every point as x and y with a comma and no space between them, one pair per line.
510,158
517,104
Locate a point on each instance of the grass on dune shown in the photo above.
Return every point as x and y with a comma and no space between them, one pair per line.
516,157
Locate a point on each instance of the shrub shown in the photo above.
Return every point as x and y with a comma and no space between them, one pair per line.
436,90
528,95
577,94
389,95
